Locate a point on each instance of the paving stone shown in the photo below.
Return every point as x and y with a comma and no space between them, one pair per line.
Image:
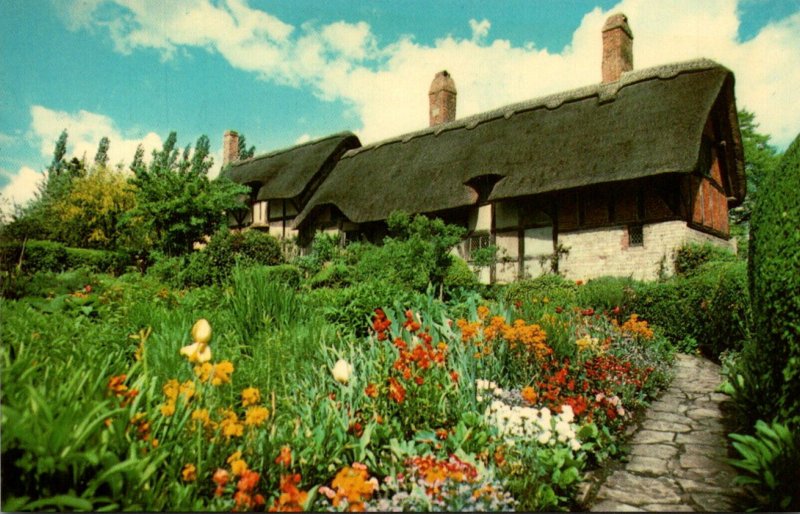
636,490
612,506
711,502
660,451
700,462
718,451
699,486
649,465
699,414
651,436
667,507
719,397
698,437
665,426
669,405
667,416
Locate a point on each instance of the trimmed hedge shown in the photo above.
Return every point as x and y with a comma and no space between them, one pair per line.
710,308
36,256
690,257
557,290
770,364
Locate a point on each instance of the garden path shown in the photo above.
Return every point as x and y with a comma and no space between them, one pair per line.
677,459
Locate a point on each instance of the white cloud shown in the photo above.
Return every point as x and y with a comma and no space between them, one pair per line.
304,138
84,131
387,85
480,29
21,187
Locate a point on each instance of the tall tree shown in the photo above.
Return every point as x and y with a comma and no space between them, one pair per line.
101,157
176,201
58,164
244,152
761,158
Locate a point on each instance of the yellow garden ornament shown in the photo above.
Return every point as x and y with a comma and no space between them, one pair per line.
199,350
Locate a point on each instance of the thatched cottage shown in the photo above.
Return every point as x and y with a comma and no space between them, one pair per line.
613,176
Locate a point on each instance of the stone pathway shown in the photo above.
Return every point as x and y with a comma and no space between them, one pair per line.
677,459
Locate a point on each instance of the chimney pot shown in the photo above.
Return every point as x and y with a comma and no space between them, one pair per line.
617,47
230,147
442,99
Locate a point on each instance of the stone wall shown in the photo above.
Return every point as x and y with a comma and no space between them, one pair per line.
606,251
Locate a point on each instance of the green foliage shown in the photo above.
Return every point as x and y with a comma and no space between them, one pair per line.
288,275
689,257
90,213
761,160
710,307
176,202
459,275
101,261
607,293
332,274
555,288
768,462
35,256
770,362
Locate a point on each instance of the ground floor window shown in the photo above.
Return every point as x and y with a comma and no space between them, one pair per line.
635,235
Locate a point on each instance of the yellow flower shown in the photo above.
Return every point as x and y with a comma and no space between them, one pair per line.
197,352
250,396
189,473
171,389
187,390
217,374
201,331
256,416
230,425
201,416
238,466
168,409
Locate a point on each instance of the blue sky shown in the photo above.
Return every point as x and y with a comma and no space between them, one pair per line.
282,72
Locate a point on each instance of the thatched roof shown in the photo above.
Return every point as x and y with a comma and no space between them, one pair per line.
287,173
648,123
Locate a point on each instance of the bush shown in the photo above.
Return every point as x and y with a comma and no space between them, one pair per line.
332,274
102,261
555,288
36,256
770,363
606,293
709,308
260,248
689,257
285,274
459,275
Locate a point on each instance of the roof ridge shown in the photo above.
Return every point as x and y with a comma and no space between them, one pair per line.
273,153
552,101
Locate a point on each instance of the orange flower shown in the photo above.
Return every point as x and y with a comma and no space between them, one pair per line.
291,498
529,395
221,477
371,390
396,391
116,385
354,485
285,457
189,473
483,311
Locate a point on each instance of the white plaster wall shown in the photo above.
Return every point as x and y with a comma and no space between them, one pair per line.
598,252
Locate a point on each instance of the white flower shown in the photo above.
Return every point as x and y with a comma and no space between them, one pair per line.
342,371
498,391
563,428
567,414
479,398
544,437
575,445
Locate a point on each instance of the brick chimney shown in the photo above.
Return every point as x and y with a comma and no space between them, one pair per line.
442,99
230,147
617,47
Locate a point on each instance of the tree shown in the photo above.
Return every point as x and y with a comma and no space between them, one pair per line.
101,157
89,214
58,163
761,158
176,202
244,152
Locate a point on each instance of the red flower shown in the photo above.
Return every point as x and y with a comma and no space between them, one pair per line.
588,312
454,376
396,390
371,391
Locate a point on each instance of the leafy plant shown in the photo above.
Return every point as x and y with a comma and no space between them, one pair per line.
768,462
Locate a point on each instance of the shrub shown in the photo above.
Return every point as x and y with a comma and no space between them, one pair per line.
689,257
709,308
288,275
770,362
332,274
260,248
36,256
103,261
606,293
555,288
460,275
